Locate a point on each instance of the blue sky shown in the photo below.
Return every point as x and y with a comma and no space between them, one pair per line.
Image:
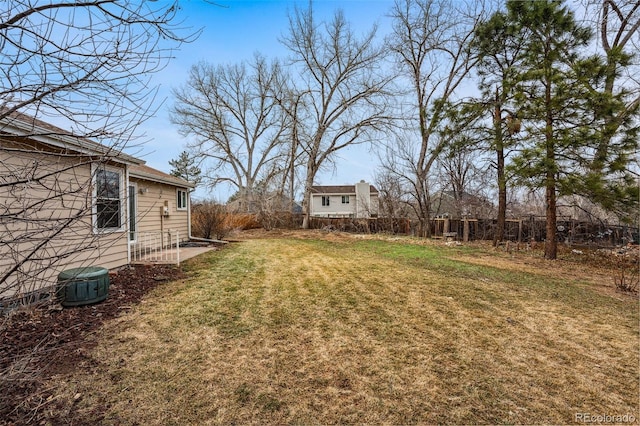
233,32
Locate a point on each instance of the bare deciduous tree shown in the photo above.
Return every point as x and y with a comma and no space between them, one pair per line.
431,42
464,176
292,104
89,61
393,197
235,114
343,91
87,67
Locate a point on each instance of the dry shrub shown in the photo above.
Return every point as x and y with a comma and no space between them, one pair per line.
279,220
626,276
242,221
622,263
209,220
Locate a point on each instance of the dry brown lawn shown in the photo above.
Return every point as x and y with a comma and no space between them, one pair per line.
331,329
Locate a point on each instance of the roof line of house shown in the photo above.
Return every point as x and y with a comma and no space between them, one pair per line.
18,125
339,189
159,176
22,125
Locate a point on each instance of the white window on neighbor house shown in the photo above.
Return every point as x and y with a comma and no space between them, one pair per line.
182,199
108,199
345,199
325,200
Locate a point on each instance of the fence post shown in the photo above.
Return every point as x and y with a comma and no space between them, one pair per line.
465,230
520,231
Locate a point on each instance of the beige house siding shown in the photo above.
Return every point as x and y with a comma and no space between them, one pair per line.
151,199
46,221
112,250
48,209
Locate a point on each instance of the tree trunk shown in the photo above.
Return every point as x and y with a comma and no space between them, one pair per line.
306,202
502,199
502,182
550,245
425,209
292,186
306,209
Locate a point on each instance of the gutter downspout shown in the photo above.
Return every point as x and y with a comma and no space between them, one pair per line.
189,213
128,213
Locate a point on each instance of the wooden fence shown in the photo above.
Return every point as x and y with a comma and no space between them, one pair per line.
518,230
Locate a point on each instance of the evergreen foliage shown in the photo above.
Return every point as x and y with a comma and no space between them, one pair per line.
185,167
532,61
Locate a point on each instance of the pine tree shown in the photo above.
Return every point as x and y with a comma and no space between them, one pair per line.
185,167
616,127
554,97
499,48
608,179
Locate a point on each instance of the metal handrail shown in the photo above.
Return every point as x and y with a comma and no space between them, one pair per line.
156,247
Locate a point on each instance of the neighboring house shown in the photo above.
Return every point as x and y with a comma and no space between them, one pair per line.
359,201
458,206
67,202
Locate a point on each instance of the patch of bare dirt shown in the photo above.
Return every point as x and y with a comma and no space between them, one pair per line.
39,342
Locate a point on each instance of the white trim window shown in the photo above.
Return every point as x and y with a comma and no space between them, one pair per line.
108,197
325,200
183,199
345,199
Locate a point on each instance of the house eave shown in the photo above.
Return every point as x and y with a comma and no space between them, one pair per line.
318,190
160,179
318,194
19,128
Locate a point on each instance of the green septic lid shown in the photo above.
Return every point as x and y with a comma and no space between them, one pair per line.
82,273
